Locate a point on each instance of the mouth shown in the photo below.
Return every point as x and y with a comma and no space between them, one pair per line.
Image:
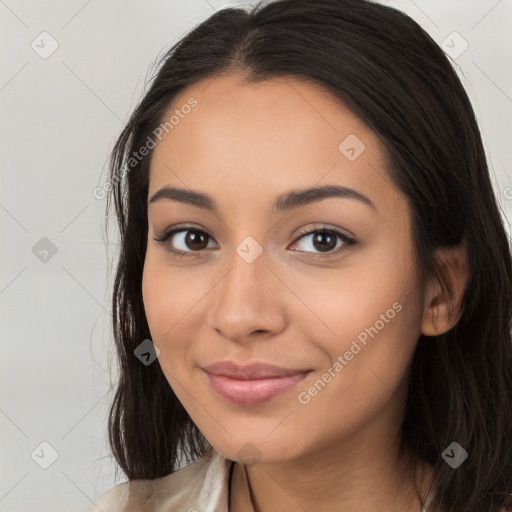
251,384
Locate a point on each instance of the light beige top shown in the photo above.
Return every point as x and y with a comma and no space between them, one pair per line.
202,486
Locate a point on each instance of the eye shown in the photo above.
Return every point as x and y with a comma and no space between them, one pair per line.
325,240
189,240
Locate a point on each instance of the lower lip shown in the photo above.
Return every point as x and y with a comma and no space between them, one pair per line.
255,391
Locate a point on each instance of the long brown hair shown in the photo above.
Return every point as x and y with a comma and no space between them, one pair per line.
409,94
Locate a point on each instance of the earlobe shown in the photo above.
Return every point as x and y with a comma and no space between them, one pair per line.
443,295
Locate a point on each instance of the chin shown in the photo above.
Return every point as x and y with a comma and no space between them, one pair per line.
257,449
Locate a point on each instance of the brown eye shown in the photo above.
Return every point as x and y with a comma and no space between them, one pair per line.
185,241
329,241
324,241
196,240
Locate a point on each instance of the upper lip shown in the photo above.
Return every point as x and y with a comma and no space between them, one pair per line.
250,371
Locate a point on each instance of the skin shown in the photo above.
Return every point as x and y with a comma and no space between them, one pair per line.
244,145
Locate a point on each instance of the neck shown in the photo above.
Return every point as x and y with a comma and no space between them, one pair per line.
328,485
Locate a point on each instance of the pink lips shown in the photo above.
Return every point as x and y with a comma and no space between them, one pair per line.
251,384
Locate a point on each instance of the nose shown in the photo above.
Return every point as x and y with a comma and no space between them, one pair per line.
249,301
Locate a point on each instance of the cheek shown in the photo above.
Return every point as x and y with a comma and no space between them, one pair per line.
171,296
166,293
343,303
160,301
154,297
159,298
367,359
368,316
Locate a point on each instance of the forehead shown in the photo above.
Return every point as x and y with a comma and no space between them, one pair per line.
263,137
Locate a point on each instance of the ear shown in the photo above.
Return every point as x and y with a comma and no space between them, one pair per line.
443,294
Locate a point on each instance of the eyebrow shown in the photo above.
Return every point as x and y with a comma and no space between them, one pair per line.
284,202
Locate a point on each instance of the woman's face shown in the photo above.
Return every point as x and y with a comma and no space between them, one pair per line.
341,313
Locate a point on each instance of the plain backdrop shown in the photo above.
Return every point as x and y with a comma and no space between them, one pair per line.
60,115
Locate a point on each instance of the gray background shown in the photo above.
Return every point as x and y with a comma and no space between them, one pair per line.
60,116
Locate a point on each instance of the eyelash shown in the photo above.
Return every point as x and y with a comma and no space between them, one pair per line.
326,230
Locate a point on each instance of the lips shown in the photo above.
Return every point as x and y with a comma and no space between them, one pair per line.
251,384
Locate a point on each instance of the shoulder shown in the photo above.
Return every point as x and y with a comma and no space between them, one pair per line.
113,500
186,489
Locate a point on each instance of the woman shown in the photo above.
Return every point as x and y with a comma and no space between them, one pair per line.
312,304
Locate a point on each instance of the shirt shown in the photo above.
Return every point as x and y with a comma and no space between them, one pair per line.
202,486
